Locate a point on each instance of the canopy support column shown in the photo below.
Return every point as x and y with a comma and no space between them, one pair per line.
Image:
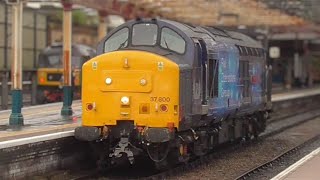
102,29
16,117
67,52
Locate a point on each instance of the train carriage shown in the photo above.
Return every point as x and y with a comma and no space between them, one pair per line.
173,91
50,71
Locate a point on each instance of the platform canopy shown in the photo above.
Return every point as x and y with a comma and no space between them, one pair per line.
220,12
213,12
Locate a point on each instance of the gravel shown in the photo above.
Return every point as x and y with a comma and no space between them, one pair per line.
232,164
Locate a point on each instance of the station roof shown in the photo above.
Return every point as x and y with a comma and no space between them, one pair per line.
266,13
308,9
221,12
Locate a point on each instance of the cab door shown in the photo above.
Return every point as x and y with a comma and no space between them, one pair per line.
201,77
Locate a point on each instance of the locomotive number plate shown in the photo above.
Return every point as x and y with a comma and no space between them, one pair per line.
159,99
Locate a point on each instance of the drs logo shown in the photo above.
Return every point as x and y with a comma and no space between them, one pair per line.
160,99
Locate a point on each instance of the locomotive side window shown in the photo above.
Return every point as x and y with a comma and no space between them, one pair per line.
213,77
172,41
246,79
117,41
144,34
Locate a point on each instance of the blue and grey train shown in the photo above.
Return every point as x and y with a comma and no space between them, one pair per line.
171,91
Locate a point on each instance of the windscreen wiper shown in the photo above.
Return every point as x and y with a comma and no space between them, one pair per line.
165,42
122,44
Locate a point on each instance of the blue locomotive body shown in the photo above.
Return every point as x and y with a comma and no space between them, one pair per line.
220,91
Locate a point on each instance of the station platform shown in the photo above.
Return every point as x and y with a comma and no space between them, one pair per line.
283,96
39,120
44,122
306,168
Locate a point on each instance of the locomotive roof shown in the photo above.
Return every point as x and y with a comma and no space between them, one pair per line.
190,33
216,33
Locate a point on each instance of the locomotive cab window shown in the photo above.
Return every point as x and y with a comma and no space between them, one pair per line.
172,41
213,77
56,61
144,34
117,41
50,61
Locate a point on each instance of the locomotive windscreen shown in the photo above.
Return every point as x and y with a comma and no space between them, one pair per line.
144,34
117,41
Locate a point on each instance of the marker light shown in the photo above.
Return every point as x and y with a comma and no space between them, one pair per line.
164,107
42,80
143,82
125,100
89,106
108,81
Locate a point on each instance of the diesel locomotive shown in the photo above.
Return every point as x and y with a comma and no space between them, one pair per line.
50,71
172,91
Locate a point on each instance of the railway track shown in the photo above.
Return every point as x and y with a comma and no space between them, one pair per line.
269,164
210,157
281,126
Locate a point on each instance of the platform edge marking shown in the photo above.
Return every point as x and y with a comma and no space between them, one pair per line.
34,139
296,165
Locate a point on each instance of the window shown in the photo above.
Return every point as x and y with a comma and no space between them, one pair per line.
240,51
255,52
249,51
172,41
53,61
144,34
117,41
213,77
244,51
56,61
244,78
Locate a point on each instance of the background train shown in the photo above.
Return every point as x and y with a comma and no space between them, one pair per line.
50,71
172,91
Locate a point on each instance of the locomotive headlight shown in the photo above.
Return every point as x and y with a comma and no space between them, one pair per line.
108,81
125,100
143,82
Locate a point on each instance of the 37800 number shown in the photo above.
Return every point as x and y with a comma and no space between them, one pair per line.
159,99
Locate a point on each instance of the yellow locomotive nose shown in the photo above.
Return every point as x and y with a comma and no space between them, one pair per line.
130,85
